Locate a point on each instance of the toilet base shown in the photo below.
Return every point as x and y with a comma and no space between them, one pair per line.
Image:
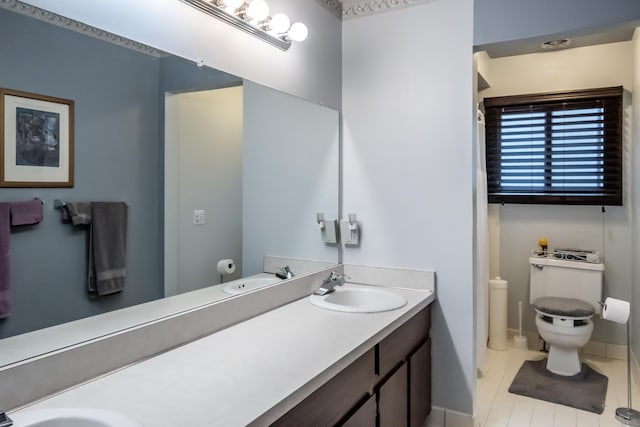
563,361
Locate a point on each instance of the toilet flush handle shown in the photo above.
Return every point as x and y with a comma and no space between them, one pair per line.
538,266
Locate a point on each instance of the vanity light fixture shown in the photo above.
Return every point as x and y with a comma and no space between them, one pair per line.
253,17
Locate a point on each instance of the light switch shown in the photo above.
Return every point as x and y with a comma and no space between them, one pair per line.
198,217
350,231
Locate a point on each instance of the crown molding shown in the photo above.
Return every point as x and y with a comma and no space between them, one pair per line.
333,6
79,27
355,9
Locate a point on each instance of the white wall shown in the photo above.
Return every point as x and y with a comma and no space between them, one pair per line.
635,209
566,226
408,119
289,180
203,143
310,69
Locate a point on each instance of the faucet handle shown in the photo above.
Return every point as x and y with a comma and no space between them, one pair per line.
334,276
284,273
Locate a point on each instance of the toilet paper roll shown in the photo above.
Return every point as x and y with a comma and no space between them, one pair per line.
616,310
226,266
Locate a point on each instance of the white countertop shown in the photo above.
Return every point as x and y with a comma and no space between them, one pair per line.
250,373
23,347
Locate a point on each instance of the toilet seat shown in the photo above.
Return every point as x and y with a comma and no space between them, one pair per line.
565,312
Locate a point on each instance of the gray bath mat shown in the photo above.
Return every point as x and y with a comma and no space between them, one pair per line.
586,390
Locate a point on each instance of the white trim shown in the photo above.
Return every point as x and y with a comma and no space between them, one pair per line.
79,27
364,8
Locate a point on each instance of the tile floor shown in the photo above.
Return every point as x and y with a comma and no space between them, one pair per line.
496,407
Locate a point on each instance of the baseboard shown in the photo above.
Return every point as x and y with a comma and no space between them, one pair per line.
441,417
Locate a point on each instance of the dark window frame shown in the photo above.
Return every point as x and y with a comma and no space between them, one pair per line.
611,148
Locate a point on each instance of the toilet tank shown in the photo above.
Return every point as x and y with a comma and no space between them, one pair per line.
550,277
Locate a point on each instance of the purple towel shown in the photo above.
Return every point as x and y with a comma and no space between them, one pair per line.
26,213
5,229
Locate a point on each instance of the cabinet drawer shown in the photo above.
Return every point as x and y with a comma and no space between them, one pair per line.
395,348
335,399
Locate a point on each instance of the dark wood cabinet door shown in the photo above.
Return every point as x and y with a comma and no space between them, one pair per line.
365,416
395,348
333,401
420,385
392,400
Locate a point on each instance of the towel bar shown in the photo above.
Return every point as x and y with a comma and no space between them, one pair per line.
59,204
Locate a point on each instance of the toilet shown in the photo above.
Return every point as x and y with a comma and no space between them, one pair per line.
565,295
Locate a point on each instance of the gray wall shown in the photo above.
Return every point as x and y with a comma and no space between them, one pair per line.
206,175
289,174
498,21
310,69
116,158
407,105
177,76
566,226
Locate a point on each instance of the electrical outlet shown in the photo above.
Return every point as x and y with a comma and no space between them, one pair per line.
198,217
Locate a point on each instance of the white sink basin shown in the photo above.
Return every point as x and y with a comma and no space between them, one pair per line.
359,299
70,417
249,284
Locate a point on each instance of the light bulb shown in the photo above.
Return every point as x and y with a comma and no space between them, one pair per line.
258,10
298,32
280,23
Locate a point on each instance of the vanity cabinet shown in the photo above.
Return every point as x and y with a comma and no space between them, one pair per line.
330,403
390,385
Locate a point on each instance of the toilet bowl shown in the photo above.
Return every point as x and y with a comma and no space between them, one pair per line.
564,295
565,336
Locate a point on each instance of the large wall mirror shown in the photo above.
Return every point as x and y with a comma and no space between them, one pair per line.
258,162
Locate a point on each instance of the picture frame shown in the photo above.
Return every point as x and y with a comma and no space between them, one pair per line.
36,140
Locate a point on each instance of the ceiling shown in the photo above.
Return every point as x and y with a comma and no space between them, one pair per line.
616,33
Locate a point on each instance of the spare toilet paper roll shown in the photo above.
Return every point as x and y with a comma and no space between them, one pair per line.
616,310
226,266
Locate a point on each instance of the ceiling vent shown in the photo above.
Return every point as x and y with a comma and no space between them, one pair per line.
556,44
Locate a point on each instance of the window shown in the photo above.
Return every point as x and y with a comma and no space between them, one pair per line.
555,148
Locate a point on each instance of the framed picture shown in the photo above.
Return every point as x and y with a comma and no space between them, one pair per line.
36,140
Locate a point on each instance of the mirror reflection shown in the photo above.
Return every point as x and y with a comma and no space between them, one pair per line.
255,165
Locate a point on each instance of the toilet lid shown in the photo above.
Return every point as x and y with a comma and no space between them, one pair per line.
569,307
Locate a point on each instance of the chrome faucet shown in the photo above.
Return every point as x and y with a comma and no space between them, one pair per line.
285,273
5,421
329,284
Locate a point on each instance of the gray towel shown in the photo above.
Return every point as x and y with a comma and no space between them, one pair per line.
108,247
77,213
